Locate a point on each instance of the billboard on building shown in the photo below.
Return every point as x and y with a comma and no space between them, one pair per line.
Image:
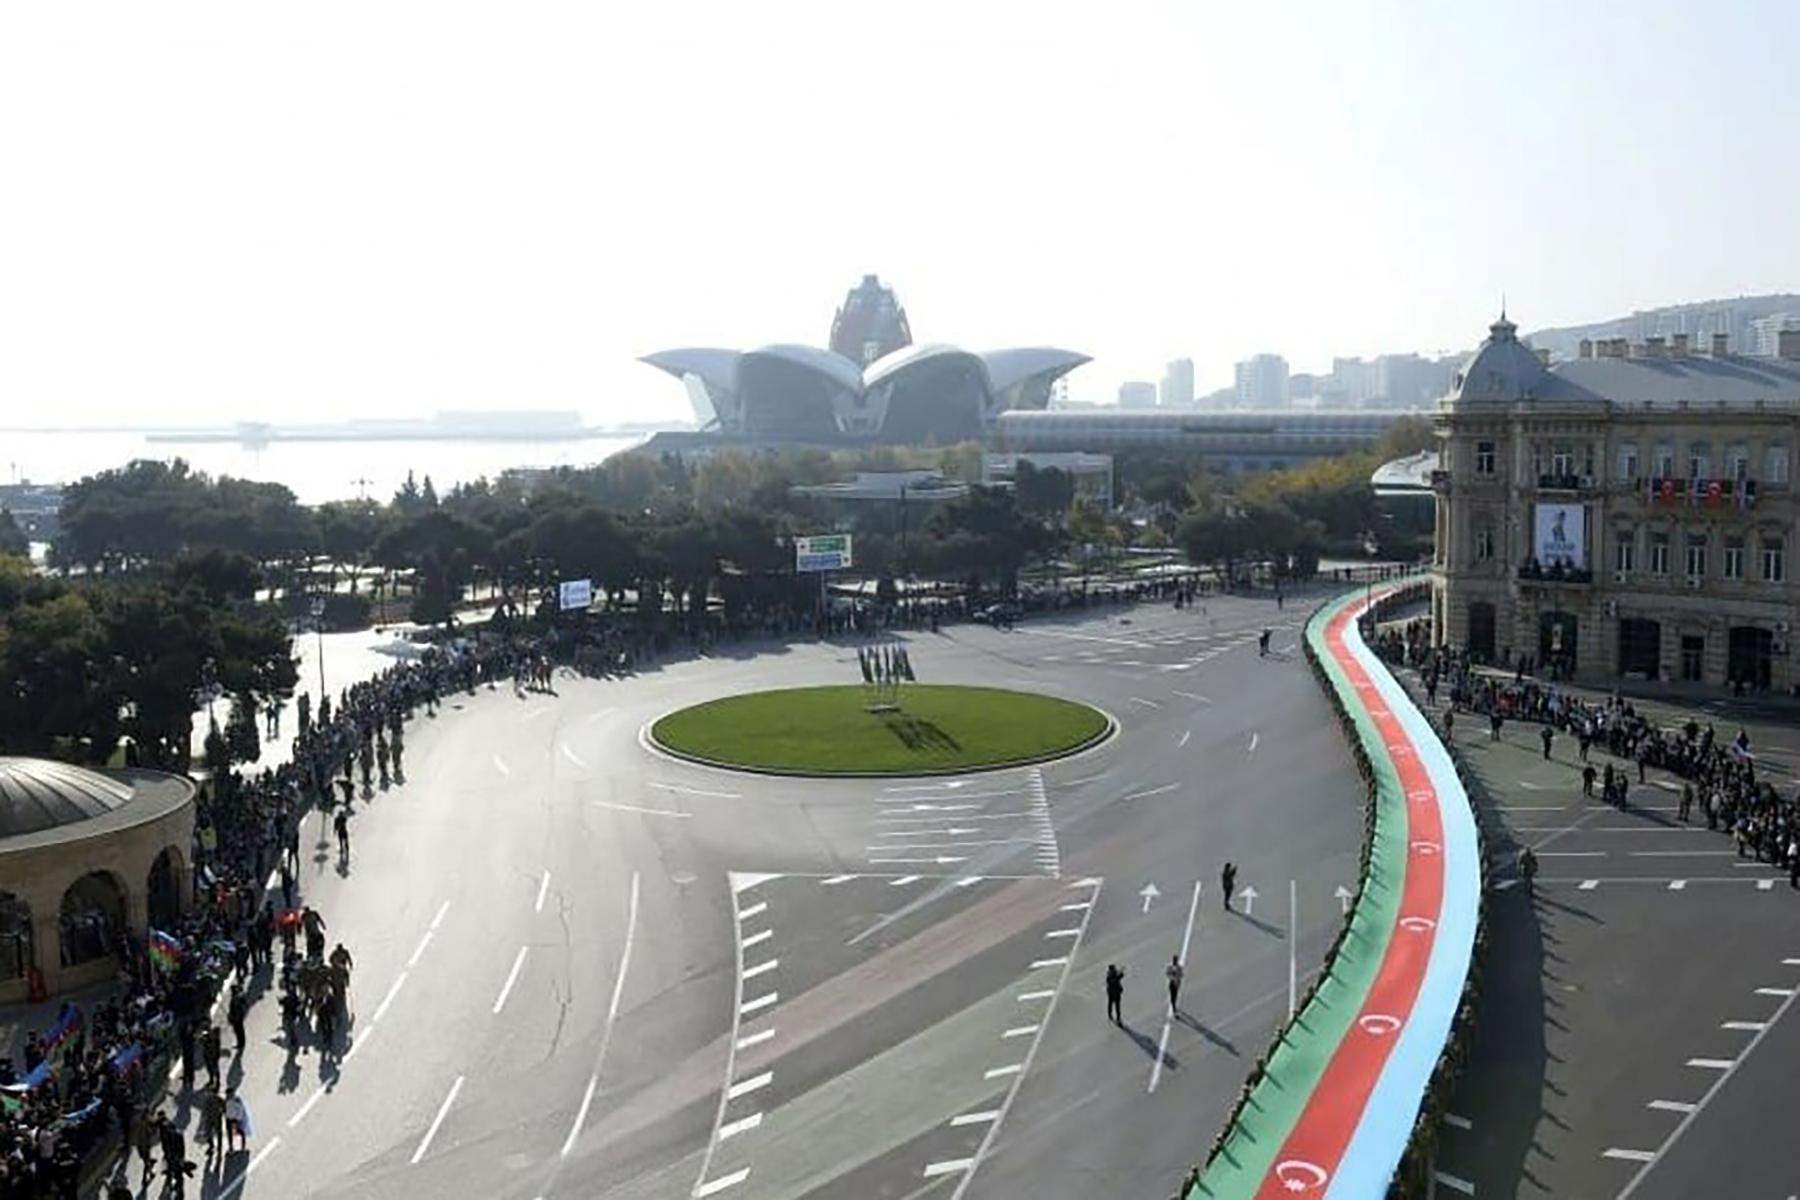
1561,536
828,552
576,593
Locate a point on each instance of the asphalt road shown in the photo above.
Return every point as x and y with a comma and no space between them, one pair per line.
1636,1037
583,969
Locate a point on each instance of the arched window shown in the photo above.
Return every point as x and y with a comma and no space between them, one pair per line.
15,936
93,914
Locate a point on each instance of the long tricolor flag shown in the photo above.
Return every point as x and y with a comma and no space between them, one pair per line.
165,951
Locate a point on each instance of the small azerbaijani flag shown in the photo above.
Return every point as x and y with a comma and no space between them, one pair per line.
68,1022
165,951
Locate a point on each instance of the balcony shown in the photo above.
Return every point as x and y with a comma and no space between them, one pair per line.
1532,571
1697,493
1556,482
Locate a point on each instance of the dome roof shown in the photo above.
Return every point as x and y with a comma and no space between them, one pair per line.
39,793
1502,371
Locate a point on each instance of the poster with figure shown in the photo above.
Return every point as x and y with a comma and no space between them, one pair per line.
1561,536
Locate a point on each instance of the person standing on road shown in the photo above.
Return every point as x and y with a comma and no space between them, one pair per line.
1587,780
1115,992
1547,735
235,1011
1174,972
1262,644
341,823
1228,882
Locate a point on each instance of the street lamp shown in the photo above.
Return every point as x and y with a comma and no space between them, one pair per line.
318,613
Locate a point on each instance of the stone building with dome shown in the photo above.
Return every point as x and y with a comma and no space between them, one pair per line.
85,856
1629,513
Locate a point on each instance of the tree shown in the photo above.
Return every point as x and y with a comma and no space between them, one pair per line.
1043,493
12,538
241,738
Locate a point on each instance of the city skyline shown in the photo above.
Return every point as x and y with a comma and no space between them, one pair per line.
478,214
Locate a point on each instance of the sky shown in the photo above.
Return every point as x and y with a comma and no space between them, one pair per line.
215,212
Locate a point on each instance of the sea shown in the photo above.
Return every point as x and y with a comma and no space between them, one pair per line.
314,471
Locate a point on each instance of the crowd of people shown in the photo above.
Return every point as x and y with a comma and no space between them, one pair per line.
1720,777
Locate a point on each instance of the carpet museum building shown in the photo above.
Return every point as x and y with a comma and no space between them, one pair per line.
1629,513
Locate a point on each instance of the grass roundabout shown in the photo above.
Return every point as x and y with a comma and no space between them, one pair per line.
828,730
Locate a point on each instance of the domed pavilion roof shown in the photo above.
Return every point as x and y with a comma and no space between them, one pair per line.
38,794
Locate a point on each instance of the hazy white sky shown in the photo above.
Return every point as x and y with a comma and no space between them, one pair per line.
214,211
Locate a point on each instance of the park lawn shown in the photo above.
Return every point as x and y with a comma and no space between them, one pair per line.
826,730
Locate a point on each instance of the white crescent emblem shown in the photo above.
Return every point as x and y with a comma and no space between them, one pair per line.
1378,1024
1417,924
1427,847
1297,1175
1419,796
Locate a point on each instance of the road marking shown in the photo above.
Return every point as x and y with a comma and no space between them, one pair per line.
976,1118
755,910
1711,1064
1674,1106
318,1095
691,791
753,1084
1454,1183
1765,885
1020,1031
1063,933
1790,962
1640,1156
758,1004
512,977
757,939
948,1167
1078,906
1775,991
500,766
420,949
393,990
543,886
1571,853
612,1015
1745,1026
762,968
587,1099
639,808
1193,697
1027,997
903,881
755,1039
231,1189
837,879
1676,885
1155,791
438,919
742,1125
1049,962
1002,816
572,757
442,1112
1031,1049
968,881
1000,1072
1169,1019
1588,885
1185,735
1680,853
1144,702
1456,1122
1254,738
721,1183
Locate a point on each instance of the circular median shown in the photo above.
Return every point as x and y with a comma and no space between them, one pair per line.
930,729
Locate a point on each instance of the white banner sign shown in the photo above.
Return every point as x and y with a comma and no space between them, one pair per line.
577,593
830,552
1561,536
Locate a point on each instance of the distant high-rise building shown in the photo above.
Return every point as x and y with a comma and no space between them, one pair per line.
1137,393
1765,333
870,324
1262,382
1178,384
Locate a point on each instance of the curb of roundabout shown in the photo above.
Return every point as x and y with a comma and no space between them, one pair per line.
1349,1093
648,740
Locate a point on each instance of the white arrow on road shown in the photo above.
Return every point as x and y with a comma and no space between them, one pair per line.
1149,893
1248,896
1344,895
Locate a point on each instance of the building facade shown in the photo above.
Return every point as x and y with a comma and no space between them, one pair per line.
1262,382
1137,394
1178,384
1629,513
